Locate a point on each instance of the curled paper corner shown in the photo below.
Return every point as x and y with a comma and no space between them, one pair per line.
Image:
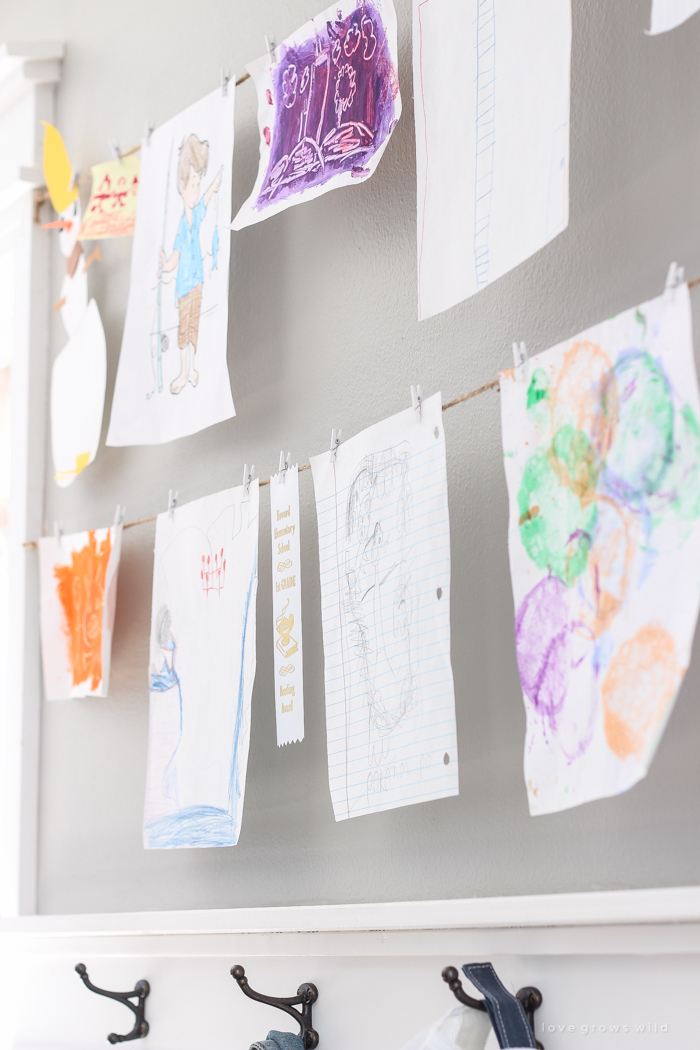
669,14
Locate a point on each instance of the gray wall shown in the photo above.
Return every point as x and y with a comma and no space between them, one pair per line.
323,333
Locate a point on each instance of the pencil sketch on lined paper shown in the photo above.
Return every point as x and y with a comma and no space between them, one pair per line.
385,573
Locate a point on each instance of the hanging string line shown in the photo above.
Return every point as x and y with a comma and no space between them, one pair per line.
134,149
493,385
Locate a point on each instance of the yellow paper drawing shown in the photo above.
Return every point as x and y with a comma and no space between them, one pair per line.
111,211
58,170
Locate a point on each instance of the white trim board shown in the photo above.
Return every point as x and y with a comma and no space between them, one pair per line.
678,904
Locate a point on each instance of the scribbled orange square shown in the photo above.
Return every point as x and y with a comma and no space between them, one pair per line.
81,589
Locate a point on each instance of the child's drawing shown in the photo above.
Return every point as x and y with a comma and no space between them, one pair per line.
79,373
213,574
111,210
492,139
202,666
186,256
78,380
78,577
385,575
173,378
328,100
601,438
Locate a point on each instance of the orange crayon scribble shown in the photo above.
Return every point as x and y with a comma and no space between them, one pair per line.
529,516
637,690
94,256
586,396
81,589
610,563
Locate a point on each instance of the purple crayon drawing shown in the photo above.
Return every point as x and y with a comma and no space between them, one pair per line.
327,106
601,439
550,647
543,646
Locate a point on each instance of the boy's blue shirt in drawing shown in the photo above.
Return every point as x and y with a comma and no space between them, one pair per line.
190,271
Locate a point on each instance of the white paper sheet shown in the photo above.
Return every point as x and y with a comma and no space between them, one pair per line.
328,101
201,670
164,390
67,237
667,14
492,139
601,439
78,581
78,380
384,547
286,605
74,298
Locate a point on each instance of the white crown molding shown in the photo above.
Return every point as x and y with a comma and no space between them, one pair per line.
609,908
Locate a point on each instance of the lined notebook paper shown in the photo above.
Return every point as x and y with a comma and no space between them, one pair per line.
384,546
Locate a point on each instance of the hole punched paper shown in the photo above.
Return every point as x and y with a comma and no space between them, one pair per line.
384,548
286,605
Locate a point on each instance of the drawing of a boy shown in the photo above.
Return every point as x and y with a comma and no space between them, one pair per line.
187,253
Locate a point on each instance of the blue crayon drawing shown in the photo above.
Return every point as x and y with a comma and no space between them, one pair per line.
200,683
485,134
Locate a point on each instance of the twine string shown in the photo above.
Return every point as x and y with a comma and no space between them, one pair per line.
493,385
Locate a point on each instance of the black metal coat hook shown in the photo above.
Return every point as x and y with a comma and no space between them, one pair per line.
530,998
306,996
141,990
